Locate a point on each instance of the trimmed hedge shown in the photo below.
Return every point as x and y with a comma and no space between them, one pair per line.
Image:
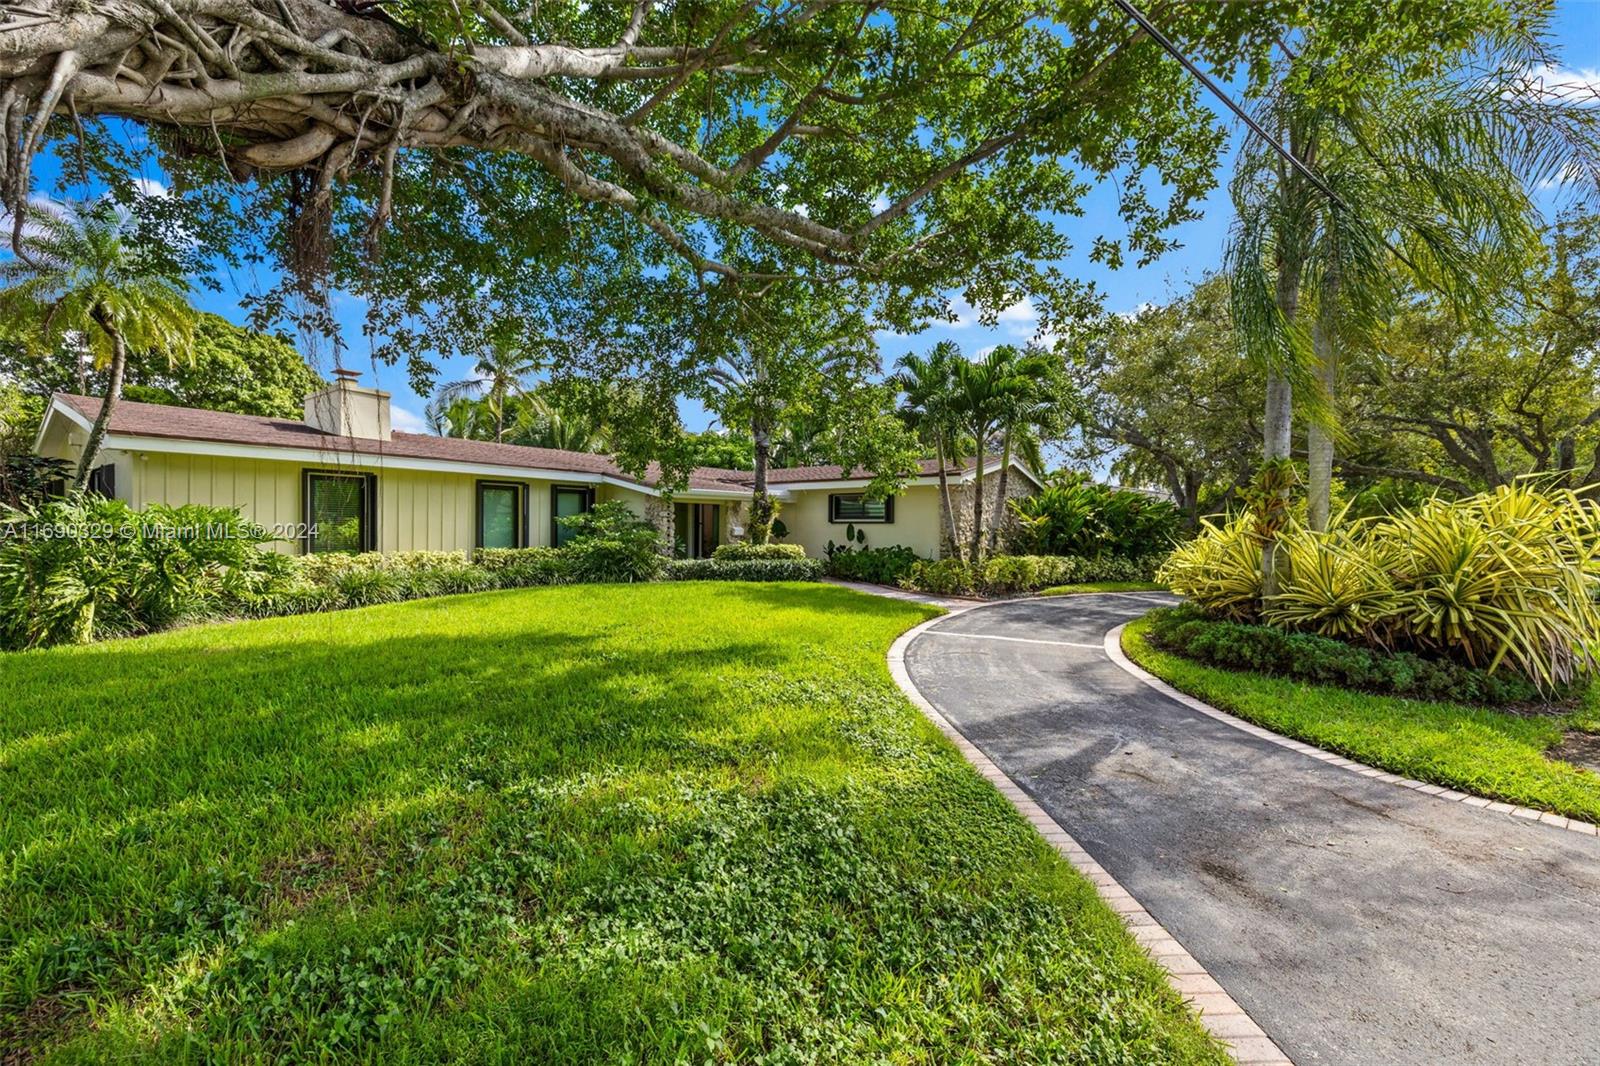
881,566
1185,630
713,569
743,552
1003,575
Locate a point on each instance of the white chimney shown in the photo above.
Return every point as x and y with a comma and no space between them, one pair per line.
348,409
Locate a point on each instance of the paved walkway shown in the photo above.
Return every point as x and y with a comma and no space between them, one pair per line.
1357,922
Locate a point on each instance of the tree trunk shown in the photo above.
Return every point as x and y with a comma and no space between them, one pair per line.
1276,443
975,544
1000,496
97,433
952,537
760,527
1319,438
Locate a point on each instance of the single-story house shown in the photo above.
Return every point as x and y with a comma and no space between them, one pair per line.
343,480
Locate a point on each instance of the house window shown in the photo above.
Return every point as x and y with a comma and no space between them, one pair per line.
502,515
103,481
340,512
843,507
566,501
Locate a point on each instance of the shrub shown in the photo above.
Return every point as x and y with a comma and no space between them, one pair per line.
1220,569
1337,584
881,566
1504,578
733,553
1074,516
610,544
714,569
84,568
1187,631
524,567
942,577
1004,575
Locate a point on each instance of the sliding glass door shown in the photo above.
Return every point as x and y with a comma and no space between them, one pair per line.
696,529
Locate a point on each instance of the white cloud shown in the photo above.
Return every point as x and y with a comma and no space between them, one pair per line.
880,204
1021,311
983,352
406,421
149,187
1576,86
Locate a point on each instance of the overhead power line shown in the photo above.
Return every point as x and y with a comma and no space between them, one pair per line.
1216,90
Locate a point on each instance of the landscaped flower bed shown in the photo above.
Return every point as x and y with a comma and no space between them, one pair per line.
1503,581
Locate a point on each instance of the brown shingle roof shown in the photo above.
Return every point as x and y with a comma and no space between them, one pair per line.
133,419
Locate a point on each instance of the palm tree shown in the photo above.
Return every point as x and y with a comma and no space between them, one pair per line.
928,384
83,273
543,422
984,392
1030,404
1430,176
498,375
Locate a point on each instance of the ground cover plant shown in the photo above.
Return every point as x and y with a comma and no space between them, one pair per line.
1487,752
661,822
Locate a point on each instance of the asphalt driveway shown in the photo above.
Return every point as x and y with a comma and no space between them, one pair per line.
1356,921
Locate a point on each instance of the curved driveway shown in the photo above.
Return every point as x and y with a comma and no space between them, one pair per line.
1358,922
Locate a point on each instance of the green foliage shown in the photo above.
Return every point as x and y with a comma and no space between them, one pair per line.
524,567
88,271
83,568
1508,577
1006,575
759,569
1265,649
611,543
1072,515
725,451
1168,398
881,566
1220,569
231,369
941,577
745,550
854,540
1502,755
25,477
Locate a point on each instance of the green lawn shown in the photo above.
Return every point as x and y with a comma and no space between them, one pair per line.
1471,749
673,822
1103,586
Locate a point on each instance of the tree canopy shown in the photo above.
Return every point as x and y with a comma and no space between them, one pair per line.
446,159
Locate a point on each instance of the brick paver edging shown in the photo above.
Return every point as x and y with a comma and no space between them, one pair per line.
1219,1012
1115,653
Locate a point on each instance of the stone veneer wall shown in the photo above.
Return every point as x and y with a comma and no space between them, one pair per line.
961,496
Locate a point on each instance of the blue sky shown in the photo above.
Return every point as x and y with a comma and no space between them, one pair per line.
1577,31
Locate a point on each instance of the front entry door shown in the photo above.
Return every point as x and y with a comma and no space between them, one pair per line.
707,529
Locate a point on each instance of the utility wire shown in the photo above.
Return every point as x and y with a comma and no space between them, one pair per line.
1216,90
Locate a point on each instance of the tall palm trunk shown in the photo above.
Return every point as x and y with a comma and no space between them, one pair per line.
975,545
760,527
1000,493
1279,416
1319,440
97,433
952,537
